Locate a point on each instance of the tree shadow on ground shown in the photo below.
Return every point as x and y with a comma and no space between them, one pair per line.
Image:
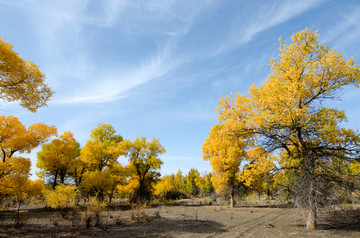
153,227
166,228
341,220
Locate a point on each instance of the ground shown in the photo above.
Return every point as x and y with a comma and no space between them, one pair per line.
182,221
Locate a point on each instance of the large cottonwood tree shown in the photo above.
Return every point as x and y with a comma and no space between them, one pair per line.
288,113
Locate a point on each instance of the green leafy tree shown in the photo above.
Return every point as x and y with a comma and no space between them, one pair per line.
191,182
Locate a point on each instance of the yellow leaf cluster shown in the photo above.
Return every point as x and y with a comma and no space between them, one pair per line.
61,197
21,80
15,137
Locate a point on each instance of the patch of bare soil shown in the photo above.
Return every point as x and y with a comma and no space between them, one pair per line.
183,221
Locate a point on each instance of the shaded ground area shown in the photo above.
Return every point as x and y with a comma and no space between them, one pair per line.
182,221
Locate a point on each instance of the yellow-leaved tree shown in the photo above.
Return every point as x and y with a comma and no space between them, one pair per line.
15,137
102,171
57,159
144,163
15,171
225,152
259,172
288,113
21,80
103,149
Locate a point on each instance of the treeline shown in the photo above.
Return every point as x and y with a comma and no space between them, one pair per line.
108,166
96,170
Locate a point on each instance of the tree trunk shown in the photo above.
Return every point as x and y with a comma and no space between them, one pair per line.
55,178
311,220
312,203
232,200
17,223
312,215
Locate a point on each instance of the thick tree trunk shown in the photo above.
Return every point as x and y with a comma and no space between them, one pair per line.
312,203
312,215
311,220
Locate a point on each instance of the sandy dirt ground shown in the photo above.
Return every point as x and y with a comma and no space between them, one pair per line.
184,221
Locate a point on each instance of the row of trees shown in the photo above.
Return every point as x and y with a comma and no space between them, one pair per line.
96,170
286,116
177,186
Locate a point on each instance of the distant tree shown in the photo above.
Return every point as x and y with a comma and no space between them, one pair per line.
259,172
205,184
21,80
103,149
97,183
163,188
225,153
35,188
172,187
144,163
57,159
191,180
98,171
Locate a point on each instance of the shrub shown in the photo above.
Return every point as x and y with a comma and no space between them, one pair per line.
92,214
61,197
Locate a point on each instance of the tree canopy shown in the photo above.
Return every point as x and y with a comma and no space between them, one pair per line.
21,80
288,113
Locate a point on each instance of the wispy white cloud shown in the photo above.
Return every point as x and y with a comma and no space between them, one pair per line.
72,70
261,18
346,32
107,86
104,14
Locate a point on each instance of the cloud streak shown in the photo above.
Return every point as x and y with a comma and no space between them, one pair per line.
76,75
267,16
347,32
107,87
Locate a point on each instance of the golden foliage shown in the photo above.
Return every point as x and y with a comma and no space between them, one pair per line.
14,182
225,152
97,183
162,187
21,80
61,197
15,137
287,113
144,162
58,158
103,149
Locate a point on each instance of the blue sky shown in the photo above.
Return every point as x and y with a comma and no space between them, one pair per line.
157,68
